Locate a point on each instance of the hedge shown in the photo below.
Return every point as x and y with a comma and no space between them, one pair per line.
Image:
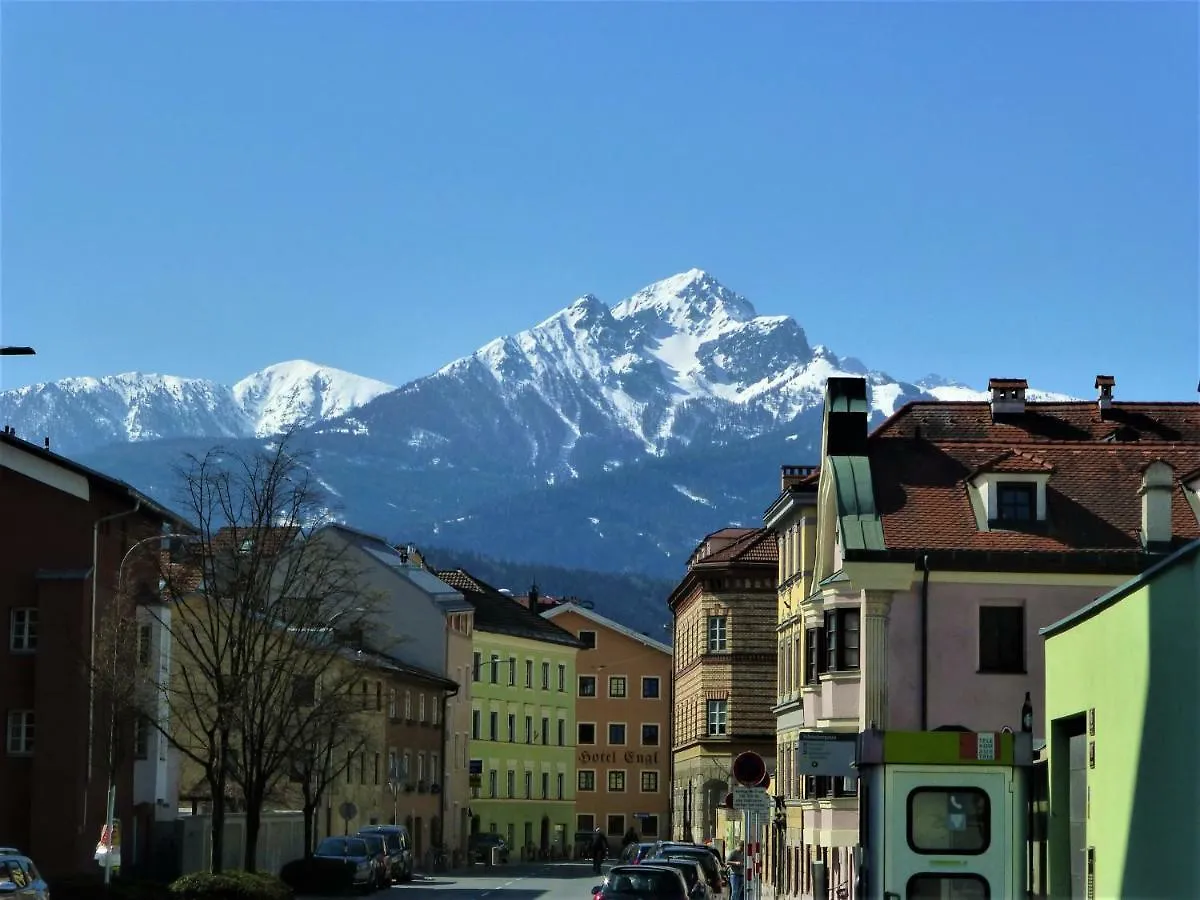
229,886
91,887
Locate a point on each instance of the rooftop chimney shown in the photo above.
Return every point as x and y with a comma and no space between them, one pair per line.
1008,396
46,443
790,475
1158,483
1105,385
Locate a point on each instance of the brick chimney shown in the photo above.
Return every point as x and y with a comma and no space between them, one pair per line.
1158,483
790,475
1008,396
1105,385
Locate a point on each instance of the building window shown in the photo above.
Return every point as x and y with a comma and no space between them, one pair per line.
528,785
649,782
511,784
20,732
649,735
545,785
616,686
561,785
408,705
814,660
304,690
492,783
587,685
649,826
588,639
545,730
616,781
23,626
545,676
512,728
421,708
436,703
1016,501
650,687
841,640
141,737
818,787
718,718
587,780
391,710
948,820
616,734
718,638
585,822
476,665
512,671
529,673
143,649
494,672
562,732
562,677
1002,639
529,729
378,762
616,825
587,732
494,726
476,724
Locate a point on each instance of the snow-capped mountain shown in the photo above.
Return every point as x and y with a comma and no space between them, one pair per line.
602,437
683,362
80,414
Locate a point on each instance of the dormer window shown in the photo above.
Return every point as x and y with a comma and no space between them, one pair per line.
1016,501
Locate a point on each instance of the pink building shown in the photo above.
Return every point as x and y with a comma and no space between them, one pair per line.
943,542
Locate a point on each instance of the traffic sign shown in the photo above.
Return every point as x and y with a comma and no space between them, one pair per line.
827,753
752,799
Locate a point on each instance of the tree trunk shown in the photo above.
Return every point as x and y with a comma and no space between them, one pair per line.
254,805
310,815
217,825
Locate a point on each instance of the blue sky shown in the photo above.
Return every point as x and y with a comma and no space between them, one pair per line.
974,189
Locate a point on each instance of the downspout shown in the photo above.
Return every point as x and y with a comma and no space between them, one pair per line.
91,737
446,765
925,642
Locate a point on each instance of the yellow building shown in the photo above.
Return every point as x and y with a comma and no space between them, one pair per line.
792,517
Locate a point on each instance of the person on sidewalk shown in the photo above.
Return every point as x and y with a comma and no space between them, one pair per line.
737,872
599,850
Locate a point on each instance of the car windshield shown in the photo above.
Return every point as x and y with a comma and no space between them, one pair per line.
642,882
340,846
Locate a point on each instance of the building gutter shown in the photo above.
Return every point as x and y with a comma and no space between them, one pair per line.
91,731
924,613
445,767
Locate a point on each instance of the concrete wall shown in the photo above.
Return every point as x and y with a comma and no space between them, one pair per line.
280,840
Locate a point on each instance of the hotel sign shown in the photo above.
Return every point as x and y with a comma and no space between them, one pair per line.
630,757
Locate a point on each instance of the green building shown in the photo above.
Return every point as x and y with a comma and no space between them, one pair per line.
522,746
1123,726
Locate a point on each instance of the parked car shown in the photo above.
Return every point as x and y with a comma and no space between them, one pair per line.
642,882
337,864
20,877
399,849
693,874
480,844
714,871
377,847
635,853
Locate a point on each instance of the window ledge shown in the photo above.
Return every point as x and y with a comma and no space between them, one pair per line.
1021,671
841,675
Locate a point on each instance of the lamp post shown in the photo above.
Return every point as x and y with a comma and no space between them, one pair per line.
111,789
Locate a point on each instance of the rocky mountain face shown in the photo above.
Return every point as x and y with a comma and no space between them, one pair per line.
606,438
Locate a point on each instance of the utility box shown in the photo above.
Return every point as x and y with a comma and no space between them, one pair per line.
946,814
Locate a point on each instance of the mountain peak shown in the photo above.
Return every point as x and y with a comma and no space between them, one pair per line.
303,391
690,301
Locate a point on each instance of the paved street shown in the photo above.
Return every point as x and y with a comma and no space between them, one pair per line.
547,881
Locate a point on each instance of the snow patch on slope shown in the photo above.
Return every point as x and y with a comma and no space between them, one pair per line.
300,392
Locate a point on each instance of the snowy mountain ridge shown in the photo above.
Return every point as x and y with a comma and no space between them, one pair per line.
86,412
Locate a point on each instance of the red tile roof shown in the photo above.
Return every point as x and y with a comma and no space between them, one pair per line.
736,546
923,457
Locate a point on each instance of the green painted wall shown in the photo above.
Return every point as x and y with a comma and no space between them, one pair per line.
1136,664
518,690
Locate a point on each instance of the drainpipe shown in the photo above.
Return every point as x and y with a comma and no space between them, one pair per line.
445,766
91,731
925,642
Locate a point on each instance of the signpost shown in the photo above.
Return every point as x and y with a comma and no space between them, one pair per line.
750,796
827,753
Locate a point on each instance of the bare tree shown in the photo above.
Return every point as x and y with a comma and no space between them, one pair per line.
250,613
329,738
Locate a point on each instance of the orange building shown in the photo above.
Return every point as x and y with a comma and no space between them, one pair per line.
623,720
